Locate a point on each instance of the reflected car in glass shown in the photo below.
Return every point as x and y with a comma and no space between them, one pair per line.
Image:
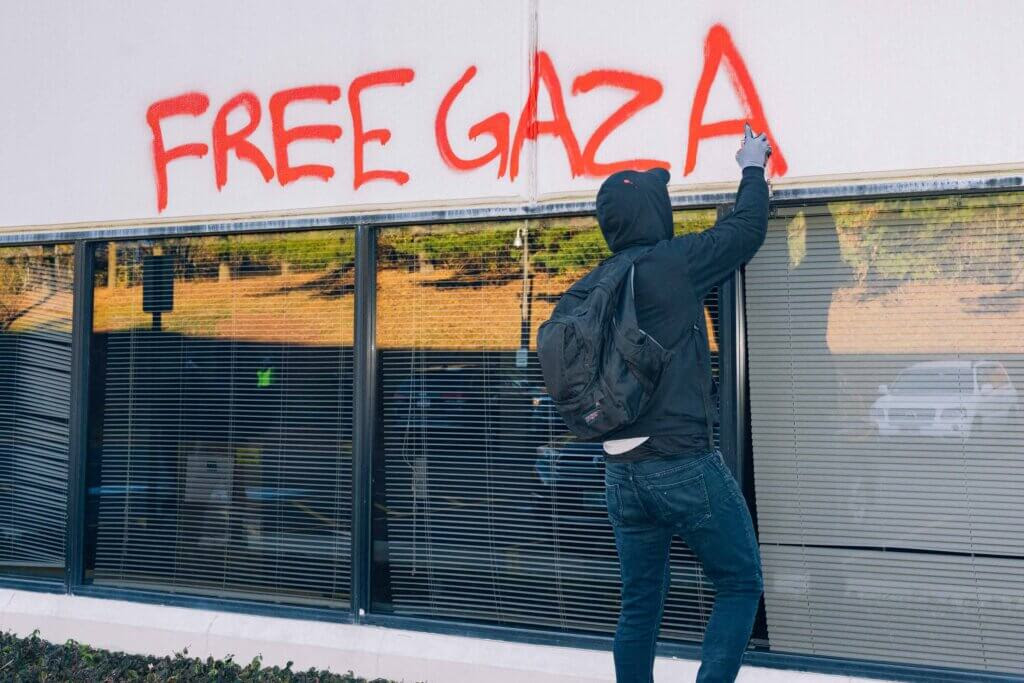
946,399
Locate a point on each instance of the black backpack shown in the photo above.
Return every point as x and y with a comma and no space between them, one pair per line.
599,367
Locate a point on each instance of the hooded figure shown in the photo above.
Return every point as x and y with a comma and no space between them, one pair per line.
664,476
633,208
671,281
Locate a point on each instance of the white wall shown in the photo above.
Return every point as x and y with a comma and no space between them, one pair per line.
368,651
861,89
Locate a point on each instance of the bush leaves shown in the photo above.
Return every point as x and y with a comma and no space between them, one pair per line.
34,659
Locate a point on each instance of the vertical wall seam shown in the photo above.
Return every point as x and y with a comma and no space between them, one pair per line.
532,40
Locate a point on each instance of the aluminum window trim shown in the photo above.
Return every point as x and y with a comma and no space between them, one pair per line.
781,196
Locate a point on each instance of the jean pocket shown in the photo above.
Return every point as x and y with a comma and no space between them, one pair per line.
613,501
684,502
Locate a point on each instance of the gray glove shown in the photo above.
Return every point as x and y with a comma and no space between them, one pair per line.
755,150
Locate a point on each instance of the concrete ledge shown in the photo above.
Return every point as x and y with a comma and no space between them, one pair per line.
369,651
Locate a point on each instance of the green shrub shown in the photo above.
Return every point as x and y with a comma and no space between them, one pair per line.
575,245
303,250
34,659
485,247
578,252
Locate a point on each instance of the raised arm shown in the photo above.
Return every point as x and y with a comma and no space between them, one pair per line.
735,238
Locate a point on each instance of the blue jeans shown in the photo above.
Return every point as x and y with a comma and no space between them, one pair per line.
698,499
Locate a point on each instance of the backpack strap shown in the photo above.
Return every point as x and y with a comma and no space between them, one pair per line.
629,318
633,255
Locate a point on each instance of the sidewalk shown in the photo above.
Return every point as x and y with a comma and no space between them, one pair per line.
369,651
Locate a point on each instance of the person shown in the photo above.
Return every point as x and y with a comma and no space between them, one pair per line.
663,474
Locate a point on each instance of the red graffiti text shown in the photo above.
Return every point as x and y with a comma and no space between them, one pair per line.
507,142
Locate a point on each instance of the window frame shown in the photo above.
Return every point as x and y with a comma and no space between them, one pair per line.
735,408
55,584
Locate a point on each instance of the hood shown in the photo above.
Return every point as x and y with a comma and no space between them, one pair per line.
633,208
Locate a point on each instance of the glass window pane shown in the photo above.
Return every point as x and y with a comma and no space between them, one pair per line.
886,364
220,452
35,396
486,509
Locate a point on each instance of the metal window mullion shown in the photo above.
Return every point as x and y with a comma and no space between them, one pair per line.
735,432
735,423
736,354
81,333
364,416
731,364
729,427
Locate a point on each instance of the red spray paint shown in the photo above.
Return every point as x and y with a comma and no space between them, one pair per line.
238,141
508,144
648,91
381,135
279,101
718,47
529,128
191,104
495,126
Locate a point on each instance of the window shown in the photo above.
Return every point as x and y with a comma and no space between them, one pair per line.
35,394
485,509
886,366
220,451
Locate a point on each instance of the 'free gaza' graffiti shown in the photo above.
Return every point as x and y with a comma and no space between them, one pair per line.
507,142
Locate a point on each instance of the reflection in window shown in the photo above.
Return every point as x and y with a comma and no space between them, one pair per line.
934,378
485,508
35,392
885,360
220,433
992,376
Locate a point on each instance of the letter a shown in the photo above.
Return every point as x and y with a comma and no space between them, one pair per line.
530,128
718,47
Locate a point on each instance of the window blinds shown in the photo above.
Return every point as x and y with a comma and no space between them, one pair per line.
886,388
222,409
486,509
35,392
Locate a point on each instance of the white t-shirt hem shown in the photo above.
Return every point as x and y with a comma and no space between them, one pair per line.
618,446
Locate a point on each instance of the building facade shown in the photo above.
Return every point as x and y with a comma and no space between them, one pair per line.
270,280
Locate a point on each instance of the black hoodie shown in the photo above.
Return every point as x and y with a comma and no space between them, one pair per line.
633,208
